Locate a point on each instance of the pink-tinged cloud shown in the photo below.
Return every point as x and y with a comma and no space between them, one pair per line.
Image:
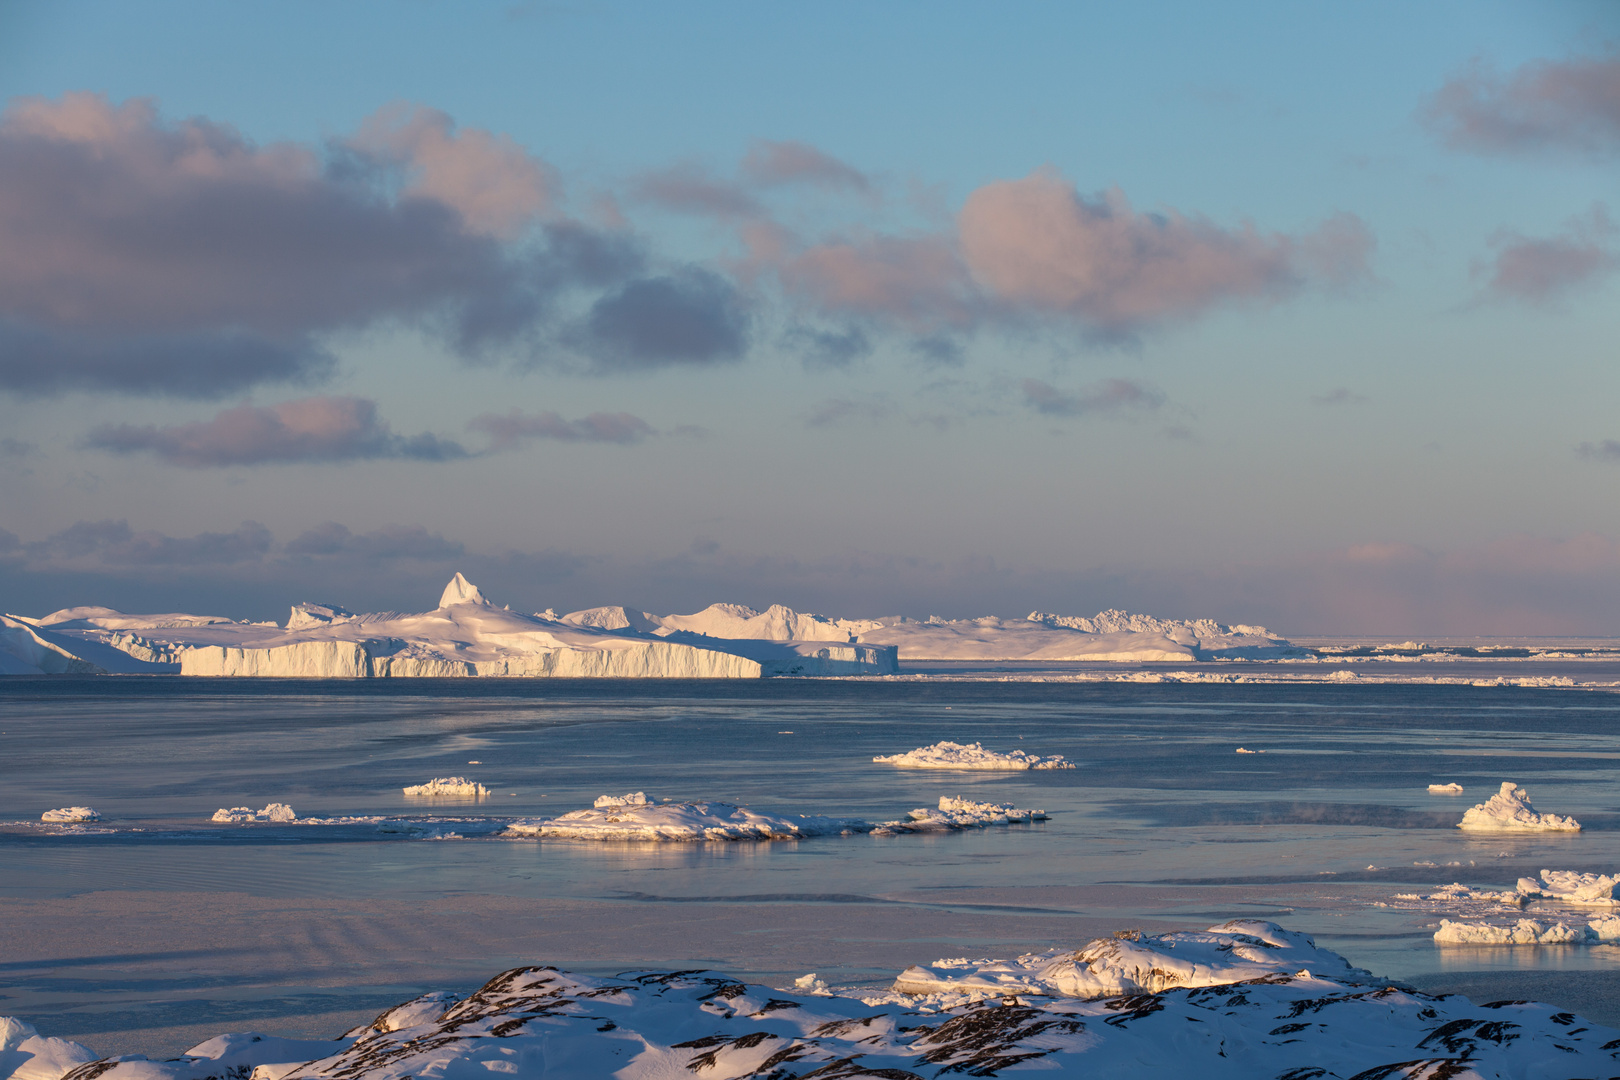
317,429
1106,397
1540,270
920,282
1038,247
507,431
790,162
691,189
494,184
1567,105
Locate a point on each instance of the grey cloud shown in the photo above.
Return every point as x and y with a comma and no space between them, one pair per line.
1339,395
1563,105
1108,396
828,348
939,350
319,429
115,543
1540,270
793,162
689,317
330,539
15,448
693,190
512,429
834,412
1606,451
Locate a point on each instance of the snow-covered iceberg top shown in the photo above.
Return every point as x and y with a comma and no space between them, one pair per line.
1132,963
535,1021
1572,887
448,786
70,813
242,815
681,821
1509,810
952,755
1601,931
1445,789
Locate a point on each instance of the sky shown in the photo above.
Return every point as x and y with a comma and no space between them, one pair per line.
1299,315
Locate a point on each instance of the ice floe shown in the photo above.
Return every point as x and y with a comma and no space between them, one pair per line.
448,786
1445,789
70,813
1321,1019
241,815
680,821
1459,894
1600,931
635,798
953,755
965,813
1572,887
1134,963
1509,810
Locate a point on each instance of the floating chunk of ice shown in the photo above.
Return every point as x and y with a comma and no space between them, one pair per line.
1135,963
442,786
635,798
951,755
241,815
1242,750
961,813
70,813
1509,810
1601,931
1445,789
680,821
1572,887
810,984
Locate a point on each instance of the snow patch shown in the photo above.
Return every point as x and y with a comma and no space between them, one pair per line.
70,813
1509,810
951,755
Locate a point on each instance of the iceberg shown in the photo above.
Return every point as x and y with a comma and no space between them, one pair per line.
1445,789
1572,887
242,815
965,813
1134,963
612,819
1108,636
70,813
951,755
635,798
1509,810
449,786
1603,931
1308,1015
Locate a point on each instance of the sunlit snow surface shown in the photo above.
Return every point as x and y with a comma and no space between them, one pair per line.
952,755
1245,1000
1509,810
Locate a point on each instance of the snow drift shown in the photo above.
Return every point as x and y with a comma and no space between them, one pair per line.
951,755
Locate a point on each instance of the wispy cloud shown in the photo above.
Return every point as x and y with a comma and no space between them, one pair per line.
1570,105
510,430
1606,451
1339,395
1544,269
1106,397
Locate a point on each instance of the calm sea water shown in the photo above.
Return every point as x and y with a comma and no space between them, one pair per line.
1161,824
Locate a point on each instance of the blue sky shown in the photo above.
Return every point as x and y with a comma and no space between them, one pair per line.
860,328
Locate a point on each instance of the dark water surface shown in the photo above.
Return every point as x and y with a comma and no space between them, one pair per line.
1162,825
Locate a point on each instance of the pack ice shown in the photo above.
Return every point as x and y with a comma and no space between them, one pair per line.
951,755
1331,1021
1509,810
467,635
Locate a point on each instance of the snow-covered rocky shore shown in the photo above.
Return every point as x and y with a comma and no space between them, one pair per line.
468,635
1240,1000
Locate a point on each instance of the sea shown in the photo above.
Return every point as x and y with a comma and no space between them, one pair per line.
155,927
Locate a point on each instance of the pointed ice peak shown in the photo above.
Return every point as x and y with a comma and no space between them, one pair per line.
461,591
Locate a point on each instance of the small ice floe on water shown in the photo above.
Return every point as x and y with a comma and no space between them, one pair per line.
1459,894
449,787
1131,962
1509,810
242,815
70,813
960,813
1572,887
618,818
1293,1020
951,755
1601,931
1245,750
811,984
1445,789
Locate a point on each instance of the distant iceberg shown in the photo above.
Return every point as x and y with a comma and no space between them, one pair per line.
1509,810
448,786
1445,789
242,815
952,755
1602,931
70,813
613,819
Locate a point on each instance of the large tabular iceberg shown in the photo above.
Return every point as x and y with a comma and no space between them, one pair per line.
1509,810
951,755
1308,1015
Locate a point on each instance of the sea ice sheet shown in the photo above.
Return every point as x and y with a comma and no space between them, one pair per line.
952,755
